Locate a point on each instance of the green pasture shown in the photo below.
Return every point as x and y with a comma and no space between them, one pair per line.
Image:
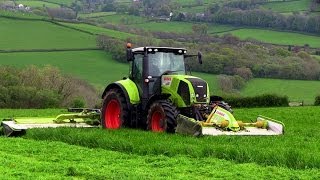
154,25
18,14
96,14
38,4
64,2
99,30
296,90
122,19
277,37
181,27
31,159
188,2
288,6
96,67
24,34
296,150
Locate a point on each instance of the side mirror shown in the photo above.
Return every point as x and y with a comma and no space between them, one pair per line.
199,57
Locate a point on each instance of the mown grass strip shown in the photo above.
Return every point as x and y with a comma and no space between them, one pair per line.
297,149
29,159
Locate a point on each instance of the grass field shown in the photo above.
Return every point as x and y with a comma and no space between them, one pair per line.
96,67
296,90
38,4
288,6
23,34
100,30
32,159
164,26
275,37
97,14
126,153
64,2
20,14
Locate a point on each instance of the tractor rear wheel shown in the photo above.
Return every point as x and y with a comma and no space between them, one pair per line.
115,112
162,116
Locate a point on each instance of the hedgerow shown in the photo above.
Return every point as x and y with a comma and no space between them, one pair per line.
46,87
265,100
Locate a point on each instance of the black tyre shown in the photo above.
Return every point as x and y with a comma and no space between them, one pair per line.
162,116
115,113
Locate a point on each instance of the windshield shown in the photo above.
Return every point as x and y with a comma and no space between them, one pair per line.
161,62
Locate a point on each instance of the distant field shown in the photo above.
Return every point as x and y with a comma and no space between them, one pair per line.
181,27
65,2
97,14
296,90
38,4
276,37
122,19
165,26
100,30
287,6
23,34
96,67
20,14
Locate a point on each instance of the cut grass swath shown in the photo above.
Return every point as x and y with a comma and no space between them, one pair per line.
30,159
297,149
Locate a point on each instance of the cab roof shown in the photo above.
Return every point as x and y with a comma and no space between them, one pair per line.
159,49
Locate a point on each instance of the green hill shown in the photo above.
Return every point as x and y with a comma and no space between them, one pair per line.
97,67
31,34
268,36
288,6
277,37
296,90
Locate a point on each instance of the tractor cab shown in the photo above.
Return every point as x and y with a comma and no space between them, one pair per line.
149,64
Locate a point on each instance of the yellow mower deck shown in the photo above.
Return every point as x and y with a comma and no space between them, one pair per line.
222,122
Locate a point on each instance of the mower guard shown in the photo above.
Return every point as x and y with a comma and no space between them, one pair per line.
213,126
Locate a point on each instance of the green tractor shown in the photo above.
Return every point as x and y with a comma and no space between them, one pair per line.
159,96
157,90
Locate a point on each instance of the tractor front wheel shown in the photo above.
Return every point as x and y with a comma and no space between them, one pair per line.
162,116
114,110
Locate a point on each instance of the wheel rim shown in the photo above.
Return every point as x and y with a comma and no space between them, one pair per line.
157,122
112,115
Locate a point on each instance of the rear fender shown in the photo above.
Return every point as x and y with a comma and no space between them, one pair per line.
128,88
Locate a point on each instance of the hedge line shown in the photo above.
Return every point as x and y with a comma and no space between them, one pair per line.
266,100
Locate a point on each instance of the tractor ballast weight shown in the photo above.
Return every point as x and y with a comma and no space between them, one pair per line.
158,95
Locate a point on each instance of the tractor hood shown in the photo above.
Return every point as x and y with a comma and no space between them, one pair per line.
185,90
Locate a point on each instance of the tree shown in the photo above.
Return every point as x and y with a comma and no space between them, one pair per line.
201,29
